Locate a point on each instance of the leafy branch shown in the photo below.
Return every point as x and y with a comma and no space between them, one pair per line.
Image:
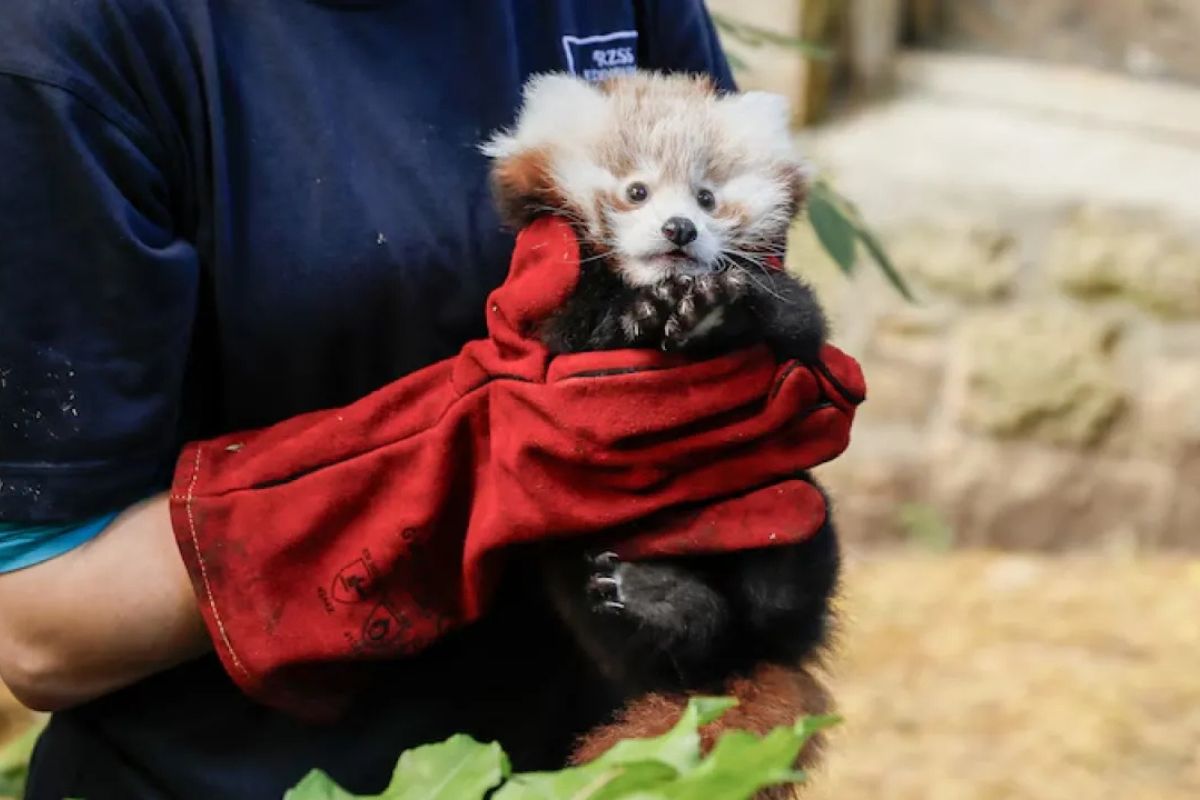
840,229
835,220
754,36
668,767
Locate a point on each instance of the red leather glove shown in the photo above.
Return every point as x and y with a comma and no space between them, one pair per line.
368,531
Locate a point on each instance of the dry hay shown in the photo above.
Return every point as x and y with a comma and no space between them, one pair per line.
975,676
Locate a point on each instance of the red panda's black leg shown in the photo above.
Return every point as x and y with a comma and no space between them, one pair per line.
648,624
787,312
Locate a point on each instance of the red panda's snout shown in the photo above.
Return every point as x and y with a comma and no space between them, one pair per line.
667,233
679,231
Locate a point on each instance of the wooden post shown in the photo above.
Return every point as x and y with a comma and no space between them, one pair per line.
872,39
781,69
922,21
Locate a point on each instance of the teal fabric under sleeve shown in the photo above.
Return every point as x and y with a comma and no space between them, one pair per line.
23,545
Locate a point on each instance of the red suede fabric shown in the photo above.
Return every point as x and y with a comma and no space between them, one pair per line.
366,532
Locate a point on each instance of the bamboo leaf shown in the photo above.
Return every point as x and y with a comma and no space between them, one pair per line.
835,232
880,256
754,36
736,62
822,194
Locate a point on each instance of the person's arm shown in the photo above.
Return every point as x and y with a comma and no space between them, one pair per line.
97,296
101,616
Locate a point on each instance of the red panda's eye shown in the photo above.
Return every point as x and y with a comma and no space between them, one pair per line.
637,192
706,200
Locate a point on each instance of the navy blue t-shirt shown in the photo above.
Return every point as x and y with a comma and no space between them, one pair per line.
216,214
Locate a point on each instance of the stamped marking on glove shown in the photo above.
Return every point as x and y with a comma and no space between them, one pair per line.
353,582
384,627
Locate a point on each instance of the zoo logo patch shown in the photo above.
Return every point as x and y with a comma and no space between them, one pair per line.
595,58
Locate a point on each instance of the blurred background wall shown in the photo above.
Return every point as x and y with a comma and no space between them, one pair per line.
1036,179
1021,501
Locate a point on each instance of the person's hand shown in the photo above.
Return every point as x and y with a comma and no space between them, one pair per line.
368,531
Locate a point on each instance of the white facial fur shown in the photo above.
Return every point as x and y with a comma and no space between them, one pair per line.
677,138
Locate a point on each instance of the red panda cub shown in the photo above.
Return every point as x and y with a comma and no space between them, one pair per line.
682,198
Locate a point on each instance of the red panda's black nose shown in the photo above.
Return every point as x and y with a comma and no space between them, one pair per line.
679,231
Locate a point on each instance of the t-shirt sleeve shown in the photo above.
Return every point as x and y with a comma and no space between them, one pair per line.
679,36
25,545
97,298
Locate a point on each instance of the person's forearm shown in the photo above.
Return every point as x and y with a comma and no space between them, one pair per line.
100,617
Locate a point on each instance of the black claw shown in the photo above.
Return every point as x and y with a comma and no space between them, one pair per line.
604,591
674,342
607,560
603,585
609,607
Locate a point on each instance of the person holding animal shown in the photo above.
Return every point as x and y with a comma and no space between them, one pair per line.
280,442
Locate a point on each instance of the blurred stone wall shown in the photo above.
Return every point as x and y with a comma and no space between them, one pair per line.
1044,394
1045,390
1149,39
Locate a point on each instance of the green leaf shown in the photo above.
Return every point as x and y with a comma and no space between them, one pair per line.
885,264
318,786
678,747
667,767
808,727
754,36
739,766
633,765
14,761
736,62
834,230
459,768
593,781
741,763
822,194
456,769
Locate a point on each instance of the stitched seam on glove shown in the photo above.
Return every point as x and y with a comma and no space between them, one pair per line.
784,374
208,593
850,397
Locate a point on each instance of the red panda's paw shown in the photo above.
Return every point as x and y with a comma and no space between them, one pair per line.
770,697
694,305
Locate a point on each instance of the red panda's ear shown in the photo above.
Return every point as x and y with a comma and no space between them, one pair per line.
523,186
705,83
797,177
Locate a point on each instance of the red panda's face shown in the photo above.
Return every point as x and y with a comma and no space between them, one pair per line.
660,225
658,173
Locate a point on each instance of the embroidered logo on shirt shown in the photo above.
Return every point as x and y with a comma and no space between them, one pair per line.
595,58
